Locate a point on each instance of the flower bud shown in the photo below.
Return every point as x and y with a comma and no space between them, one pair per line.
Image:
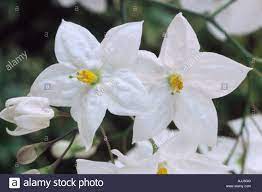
30,153
77,149
30,114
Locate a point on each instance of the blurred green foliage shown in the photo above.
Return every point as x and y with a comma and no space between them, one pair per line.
31,26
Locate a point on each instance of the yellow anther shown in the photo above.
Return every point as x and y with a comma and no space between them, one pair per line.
162,170
87,76
175,82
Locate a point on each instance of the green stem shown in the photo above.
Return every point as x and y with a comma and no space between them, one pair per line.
58,161
154,145
107,144
222,8
73,131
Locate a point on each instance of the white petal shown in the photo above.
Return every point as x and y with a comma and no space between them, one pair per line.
126,94
7,114
148,68
95,167
32,122
142,149
164,136
151,124
214,74
196,114
66,3
180,43
120,45
76,45
37,106
37,100
125,160
182,144
199,164
146,167
22,131
97,6
141,165
88,111
54,83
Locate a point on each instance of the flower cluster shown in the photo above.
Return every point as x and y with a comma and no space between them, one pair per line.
114,75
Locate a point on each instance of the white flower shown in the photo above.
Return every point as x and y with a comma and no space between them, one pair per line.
176,156
253,134
93,77
97,6
182,83
30,114
239,18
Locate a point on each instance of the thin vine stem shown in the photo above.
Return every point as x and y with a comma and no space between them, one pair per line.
58,161
220,9
107,144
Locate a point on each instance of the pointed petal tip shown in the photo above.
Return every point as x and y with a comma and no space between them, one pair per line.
180,16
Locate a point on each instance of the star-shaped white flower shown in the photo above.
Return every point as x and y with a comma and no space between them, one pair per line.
239,18
182,83
97,6
176,156
30,114
93,77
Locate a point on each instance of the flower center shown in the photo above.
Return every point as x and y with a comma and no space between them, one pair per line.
175,82
87,76
162,170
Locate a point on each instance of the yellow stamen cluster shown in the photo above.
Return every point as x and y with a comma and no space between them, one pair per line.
162,170
175,82
87,76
